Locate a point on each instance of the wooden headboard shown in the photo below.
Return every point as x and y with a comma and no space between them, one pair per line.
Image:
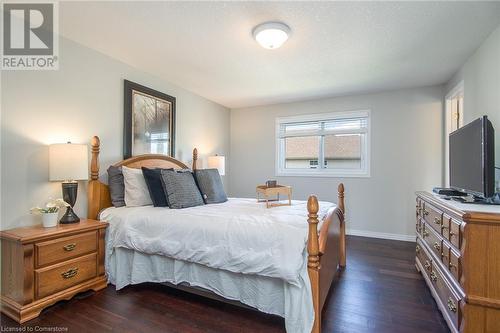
98,192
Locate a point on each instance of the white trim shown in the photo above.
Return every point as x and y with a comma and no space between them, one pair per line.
341,173
382,235
458,88
364,172
325,116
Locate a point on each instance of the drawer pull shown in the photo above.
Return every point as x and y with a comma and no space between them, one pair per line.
437,246
452,266
437,220
426,212
425,233
444,227
451,305
70,273
444,255
417,249
433,276
69,247
452,234
427,265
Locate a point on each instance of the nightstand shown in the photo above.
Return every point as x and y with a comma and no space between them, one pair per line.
41,266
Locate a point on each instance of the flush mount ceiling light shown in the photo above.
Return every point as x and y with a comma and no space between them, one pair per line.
271,35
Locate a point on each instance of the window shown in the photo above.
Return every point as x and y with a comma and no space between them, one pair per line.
454,103
333,144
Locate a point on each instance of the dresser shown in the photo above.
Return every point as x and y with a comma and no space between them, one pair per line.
458,254
41,266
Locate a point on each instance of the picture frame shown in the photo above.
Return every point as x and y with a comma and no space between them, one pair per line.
149,121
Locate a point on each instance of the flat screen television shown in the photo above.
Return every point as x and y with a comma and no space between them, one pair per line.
472,158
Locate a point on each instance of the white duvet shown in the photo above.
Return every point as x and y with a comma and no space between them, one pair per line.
239,236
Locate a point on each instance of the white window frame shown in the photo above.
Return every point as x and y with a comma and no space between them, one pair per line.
364,171
455,92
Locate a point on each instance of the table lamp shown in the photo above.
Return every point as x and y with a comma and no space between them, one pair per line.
68,163
217,162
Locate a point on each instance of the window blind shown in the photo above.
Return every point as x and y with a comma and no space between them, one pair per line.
353,125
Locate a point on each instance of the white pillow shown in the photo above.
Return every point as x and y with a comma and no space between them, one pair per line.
136,190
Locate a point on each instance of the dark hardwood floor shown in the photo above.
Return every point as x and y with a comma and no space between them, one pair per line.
380,291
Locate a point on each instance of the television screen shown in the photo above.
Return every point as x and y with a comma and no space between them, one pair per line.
472,158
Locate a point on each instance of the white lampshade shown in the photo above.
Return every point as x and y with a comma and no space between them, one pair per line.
68,161
217,162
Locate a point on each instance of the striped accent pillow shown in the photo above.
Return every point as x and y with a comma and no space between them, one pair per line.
180,189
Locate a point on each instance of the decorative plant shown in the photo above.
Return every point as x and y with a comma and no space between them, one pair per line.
52,206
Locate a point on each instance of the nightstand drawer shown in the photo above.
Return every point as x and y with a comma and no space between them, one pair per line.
55,251
55,278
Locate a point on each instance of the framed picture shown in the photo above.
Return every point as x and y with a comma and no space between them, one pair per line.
149,124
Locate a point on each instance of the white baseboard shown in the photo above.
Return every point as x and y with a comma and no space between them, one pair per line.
383,235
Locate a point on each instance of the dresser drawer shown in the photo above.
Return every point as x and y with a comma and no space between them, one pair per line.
455,264
433,239
445,254
445,226
419,207
433,217
423,257
52,279
455,235
418,226
61,249
449,298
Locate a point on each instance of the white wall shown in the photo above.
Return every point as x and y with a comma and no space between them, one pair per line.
83,98
481,77
406,155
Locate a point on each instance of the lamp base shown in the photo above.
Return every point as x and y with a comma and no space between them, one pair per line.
70,190
69,217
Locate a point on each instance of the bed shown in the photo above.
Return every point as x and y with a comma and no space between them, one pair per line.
273,260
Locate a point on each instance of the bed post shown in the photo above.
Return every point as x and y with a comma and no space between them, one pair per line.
341,203
313,258
195,158
93,191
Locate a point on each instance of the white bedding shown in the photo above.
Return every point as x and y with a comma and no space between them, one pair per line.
239,235
211,245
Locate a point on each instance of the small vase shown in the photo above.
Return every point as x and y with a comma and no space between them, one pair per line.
49,220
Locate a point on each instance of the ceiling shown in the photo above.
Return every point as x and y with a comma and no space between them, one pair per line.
336,48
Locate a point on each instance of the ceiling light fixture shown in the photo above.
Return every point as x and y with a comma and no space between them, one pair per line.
271,35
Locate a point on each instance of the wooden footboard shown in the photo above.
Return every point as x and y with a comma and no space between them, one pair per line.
326,251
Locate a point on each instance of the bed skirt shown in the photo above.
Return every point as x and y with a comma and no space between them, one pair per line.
270,295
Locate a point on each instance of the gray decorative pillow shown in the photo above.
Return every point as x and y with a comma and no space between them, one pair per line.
116,186
180,189
210,185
